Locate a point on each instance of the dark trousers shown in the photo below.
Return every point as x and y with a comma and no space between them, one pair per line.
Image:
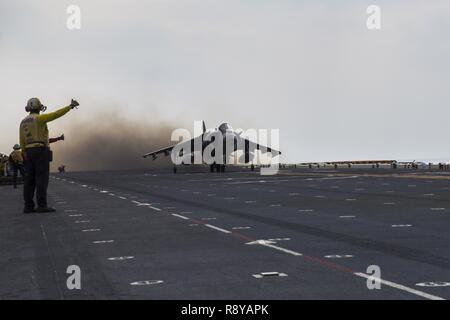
37,170
16,168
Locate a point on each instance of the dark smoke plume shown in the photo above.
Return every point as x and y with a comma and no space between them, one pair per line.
111,143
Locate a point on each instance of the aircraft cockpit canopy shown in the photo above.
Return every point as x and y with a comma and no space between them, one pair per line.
224,127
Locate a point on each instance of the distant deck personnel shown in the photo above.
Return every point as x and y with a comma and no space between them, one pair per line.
34,142
16,163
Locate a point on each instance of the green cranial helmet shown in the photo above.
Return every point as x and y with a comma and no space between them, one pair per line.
16,147
34,104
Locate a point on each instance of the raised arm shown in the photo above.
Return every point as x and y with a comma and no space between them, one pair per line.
47,117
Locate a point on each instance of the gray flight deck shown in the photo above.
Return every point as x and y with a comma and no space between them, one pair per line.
200,235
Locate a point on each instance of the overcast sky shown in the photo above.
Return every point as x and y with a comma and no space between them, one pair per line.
335,89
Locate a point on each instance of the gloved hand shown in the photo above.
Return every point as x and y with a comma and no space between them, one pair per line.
61,137
74,103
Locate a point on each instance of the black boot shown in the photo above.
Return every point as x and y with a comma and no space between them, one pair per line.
44,210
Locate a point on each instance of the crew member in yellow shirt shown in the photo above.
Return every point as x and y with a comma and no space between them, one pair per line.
16,162
34,143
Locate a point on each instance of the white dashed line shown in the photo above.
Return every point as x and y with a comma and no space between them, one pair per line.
271,245
121,258
269,274
155,208
240,228
433,284
338,256
398,286
90,230
347,217
180,216
146,282
401,225
217,228
103,241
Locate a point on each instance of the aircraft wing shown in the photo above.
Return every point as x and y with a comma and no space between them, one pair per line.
154,154
252,146
180,145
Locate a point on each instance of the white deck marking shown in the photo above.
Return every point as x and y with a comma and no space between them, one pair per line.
279,239
437,209
275,205
205,219
389,203
399,286
350,199
75,215
240,228
70,210
83,221
146,282
154,208
270,244
306,210
338,256
217,228
123,198
401,225
180,216
347,217
103,241
269,274
433,284
121,258
90,230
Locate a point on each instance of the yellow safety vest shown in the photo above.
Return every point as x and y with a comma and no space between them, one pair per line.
16,157
34,130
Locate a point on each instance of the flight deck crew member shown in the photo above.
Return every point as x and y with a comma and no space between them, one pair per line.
37,155
16,161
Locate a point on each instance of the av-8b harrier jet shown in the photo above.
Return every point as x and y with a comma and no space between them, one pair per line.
203,148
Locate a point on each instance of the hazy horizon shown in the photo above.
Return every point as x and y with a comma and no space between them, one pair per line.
336,90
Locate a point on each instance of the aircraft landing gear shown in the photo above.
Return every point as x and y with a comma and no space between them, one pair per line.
217,167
